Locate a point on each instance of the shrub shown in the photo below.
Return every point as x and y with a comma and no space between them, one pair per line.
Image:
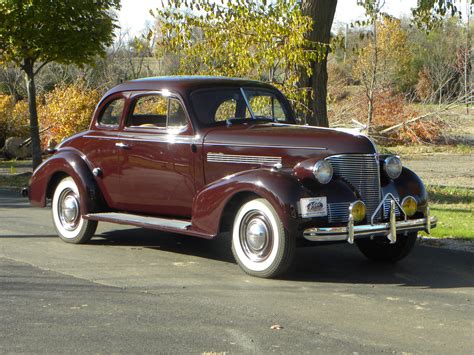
14,120
391,109
67,110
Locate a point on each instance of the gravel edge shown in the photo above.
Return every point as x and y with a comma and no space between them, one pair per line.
448,243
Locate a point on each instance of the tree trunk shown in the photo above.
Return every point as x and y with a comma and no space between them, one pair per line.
322,12
373,77
34,129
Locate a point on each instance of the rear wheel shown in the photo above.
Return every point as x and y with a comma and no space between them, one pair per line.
379,249
66,208
260,244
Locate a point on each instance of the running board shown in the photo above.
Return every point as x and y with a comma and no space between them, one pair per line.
172,225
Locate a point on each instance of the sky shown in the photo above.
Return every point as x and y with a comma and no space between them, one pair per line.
135,13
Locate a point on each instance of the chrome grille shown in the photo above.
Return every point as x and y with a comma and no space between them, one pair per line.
386,208
362,172
338,212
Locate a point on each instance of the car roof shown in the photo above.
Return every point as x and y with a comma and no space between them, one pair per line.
184,84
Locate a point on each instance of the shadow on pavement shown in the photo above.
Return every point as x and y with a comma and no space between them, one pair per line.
425,267
215,249
13,199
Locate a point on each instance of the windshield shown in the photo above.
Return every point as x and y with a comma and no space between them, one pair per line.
214,106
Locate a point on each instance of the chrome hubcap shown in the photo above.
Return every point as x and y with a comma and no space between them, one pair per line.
256,237
68,209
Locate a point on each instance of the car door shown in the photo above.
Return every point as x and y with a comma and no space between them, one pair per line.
100,146
156,157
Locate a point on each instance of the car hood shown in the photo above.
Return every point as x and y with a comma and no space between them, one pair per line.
297,141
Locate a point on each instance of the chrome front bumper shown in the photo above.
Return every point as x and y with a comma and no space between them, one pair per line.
326,234
389,229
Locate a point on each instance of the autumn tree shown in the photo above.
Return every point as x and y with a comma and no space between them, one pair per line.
322,14
244,38
34,33
427,14
383,59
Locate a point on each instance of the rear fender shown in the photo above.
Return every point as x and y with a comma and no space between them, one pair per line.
67,162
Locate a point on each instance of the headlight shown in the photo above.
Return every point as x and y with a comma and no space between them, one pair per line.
323,171
409,205
357,209
393,167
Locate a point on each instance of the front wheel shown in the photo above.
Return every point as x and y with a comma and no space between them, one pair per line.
382,251
260,244
67,219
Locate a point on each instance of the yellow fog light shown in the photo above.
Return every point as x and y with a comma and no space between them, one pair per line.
357,209
409,205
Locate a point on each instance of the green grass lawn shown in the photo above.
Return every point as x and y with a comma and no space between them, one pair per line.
454,208
15,163
16,181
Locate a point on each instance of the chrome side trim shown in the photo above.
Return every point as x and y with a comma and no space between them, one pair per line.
242,159
260,146
325,234
165,139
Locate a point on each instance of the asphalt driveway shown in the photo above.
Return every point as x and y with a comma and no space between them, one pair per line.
131,291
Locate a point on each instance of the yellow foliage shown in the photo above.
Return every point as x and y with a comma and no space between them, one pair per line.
393,54
245,39
154,105
68,110
14,120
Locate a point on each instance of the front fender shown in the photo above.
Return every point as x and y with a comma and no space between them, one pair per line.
65,162
408,183
279,187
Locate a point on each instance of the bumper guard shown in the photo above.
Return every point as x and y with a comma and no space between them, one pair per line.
389,229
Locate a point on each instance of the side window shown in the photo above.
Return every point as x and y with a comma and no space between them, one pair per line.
111,114
226,110
176,114
267,106
149,111
157,111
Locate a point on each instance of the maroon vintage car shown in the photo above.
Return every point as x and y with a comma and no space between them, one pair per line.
201,156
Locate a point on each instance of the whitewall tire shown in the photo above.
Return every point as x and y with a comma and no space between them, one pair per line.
67,218
260,244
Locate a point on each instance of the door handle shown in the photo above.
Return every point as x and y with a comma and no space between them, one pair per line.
122,145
